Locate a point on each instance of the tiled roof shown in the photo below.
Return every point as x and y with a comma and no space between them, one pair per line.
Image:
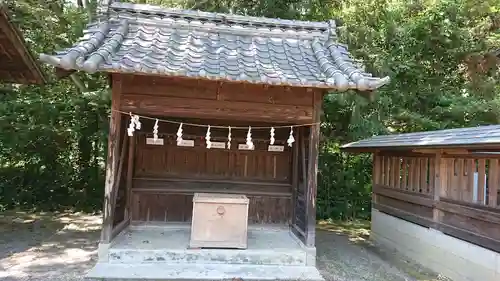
481,135
137,38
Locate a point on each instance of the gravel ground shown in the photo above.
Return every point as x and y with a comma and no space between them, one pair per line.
345,254
62,247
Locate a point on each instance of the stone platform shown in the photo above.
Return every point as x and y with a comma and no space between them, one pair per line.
160,252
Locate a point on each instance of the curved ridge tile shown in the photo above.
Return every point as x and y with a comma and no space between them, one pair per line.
107,49
363,81
69,61
334,76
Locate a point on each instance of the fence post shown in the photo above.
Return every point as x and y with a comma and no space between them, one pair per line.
439,185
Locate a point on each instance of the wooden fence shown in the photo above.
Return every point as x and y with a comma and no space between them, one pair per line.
455,194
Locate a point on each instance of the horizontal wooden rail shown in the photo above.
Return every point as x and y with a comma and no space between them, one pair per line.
475,223
407,216
190,187
191,191
208,181
469,236
403,195
468,211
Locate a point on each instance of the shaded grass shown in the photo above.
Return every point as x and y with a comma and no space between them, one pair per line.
358,230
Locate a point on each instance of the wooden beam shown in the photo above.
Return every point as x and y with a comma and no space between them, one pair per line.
295,173
470,236
376,174
130,174
121,226
403,195
118,176
111,161
481,181
402,214
217,109
491,215
187,186
303,155
439,175
493,183
312,172
445,151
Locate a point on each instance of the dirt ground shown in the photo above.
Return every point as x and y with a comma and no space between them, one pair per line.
62,247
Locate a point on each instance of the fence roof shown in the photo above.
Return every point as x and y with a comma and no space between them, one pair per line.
460,137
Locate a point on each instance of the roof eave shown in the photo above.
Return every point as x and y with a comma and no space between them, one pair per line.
17,40
375,149
63,72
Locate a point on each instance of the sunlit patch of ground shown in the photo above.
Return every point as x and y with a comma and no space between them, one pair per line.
346,253
47,246
356,231
62,247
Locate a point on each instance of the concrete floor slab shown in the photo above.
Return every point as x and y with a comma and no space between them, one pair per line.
266,246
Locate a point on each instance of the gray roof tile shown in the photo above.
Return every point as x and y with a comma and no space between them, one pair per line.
442,138
150,39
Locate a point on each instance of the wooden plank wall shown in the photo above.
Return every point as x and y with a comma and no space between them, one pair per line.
177,206
164,178
170,160
438,192
189,98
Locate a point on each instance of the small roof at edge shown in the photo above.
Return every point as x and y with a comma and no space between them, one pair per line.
146,39
17,63
460,137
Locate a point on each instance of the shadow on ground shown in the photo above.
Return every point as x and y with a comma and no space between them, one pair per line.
63,247
47,246
345,253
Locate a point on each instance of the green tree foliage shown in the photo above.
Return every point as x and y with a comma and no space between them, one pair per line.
437,53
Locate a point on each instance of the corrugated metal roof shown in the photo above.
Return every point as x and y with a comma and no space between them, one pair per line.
450,137
138,38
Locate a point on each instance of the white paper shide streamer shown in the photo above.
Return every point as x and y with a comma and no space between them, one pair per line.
271,140
135,124
291,139
207,138
179,135
155,131
249,138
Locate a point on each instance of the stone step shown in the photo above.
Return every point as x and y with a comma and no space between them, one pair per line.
201,272
285,257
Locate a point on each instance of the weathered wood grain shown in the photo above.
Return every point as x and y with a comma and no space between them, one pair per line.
174,207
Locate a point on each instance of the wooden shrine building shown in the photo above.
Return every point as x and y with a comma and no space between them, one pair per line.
436,198
17,65
225,71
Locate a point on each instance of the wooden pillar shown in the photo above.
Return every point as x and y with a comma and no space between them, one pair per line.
118,177
295,174
376,174
130,176
312,171
493,182
440,178
111,161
